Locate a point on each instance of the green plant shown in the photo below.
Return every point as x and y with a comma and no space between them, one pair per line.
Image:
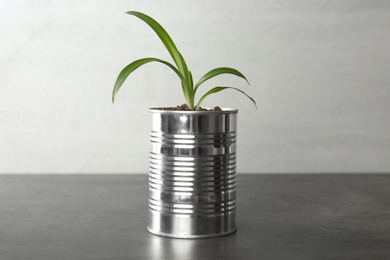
181,69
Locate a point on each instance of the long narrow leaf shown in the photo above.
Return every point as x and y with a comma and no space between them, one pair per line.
190,101
166,40
187,96
218,89
186,73
218,71
133,66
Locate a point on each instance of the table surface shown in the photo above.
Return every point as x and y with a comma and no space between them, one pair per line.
283,216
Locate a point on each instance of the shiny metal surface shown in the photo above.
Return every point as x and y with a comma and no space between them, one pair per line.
192,173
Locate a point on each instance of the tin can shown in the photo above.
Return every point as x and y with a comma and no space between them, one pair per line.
192,173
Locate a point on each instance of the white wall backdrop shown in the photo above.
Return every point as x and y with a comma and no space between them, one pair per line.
319,71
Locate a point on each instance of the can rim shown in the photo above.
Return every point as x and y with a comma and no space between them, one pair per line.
170,110
172,235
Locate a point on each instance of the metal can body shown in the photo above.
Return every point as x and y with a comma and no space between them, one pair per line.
192,173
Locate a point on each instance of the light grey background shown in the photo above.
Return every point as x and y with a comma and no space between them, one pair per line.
319,71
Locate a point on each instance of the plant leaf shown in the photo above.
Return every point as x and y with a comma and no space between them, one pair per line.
166,40
126,71
187,75
218,89
217,71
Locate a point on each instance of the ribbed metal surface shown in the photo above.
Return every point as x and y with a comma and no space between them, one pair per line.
192,173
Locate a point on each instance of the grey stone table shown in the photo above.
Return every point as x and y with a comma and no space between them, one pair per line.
279,217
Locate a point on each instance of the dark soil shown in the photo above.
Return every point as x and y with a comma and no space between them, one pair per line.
184,107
